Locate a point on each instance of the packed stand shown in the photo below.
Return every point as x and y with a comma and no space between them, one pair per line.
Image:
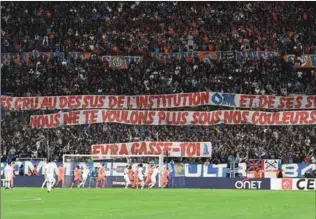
140,28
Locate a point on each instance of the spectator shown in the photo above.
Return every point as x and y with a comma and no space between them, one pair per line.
76,35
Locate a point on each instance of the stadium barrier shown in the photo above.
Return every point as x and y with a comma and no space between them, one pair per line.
295,170
305,184
302,184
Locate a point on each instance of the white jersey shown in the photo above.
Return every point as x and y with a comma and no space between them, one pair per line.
125,172
50,169
126,178
140,174
140,171
154,175
85,173
8,172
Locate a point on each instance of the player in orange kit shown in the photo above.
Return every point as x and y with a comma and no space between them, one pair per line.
61,172
135,177
131,175
77,174
149,174
101,176
165,178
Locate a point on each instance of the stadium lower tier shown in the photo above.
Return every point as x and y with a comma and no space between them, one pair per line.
306,184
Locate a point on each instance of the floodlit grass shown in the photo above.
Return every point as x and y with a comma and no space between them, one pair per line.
27,203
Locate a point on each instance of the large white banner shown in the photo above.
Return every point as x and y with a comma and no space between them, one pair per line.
174,149
159,101
179,118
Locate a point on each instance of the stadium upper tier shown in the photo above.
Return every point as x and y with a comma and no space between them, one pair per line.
143,48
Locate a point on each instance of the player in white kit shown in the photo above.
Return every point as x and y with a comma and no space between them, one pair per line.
85,174
45,177
50,169
8,175
141,175
126,176
154,177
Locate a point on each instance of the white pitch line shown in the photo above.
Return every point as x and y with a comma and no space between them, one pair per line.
24,200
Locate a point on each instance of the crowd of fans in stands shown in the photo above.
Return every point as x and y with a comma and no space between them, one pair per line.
143,28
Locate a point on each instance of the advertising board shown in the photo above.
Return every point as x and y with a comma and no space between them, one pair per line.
303,184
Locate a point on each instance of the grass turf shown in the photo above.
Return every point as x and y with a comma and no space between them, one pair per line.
27,203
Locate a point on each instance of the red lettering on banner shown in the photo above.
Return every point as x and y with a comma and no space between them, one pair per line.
299,102
17,104
45,121
313,117
120,102
93,102
93,116
286,102
172,118
95,149
129,105
142,148
311,102
243,100
206,118
167,147
114,149
251,100
304,117
48,103
266,102
144,101
236,117
123,150
112,102
134,148
151,148
287,117
6,102
189,149
71,118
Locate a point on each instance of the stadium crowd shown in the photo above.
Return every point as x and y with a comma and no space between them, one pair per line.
144,28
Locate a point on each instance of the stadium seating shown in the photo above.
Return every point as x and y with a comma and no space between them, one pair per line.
67,48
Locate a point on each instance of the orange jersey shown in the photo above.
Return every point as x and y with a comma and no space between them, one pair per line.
101,171
150,172
77,173
130,175
61,171
165,174
257,174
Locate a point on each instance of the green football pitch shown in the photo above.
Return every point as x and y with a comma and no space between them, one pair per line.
25,203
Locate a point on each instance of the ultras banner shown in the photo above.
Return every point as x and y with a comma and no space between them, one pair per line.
159,101
174,149
175,118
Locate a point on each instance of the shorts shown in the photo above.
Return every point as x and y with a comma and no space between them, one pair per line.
50,178
101,178
60,179
8,177
77,179
153,180
84,178
141,178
